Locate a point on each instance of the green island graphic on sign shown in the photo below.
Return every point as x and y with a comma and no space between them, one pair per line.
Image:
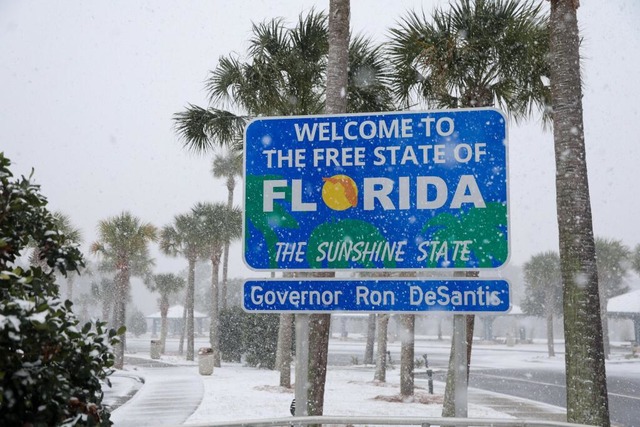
266,222
485,228
342,236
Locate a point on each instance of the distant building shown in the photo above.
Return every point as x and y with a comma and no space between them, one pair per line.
175,322
626,307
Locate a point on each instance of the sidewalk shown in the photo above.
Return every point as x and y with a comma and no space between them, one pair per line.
517,407
170,394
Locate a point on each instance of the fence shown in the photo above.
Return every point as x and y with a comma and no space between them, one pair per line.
390,421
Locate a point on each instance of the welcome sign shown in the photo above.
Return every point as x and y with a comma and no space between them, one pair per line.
410,190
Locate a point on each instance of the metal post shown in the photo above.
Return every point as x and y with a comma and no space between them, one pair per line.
460,358
302,364
429,373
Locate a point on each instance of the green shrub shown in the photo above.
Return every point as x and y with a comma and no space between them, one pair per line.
137,323
260,336
51,368
231,326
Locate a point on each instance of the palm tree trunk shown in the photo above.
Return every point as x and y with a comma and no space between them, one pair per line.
584,357
371,337
120,311
338,59
225,274
471,323
335,103
285,337
603,319
407,355
225,257
319,331
183,329
164,309
380,374
189,306
214,336
549,314
449,406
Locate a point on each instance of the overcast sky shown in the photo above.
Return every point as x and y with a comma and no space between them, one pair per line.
88,90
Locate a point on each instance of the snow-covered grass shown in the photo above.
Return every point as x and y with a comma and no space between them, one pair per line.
235,392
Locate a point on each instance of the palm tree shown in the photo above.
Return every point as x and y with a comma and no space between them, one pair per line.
544,290
371,330
584,356
104,291
612,260
123,243
184,238
380,374
227,166
479,53
336,102
283,74
219,225
165,285
72,235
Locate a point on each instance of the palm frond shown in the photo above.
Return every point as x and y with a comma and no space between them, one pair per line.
475,53
225,80
268,40
369,78
202,130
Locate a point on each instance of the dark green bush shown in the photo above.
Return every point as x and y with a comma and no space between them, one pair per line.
51,368
254,336
231,326
261,339
136,323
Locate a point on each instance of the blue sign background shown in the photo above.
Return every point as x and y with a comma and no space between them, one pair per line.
459,296
486,229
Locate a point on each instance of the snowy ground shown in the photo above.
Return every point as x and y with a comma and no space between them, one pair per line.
236,392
